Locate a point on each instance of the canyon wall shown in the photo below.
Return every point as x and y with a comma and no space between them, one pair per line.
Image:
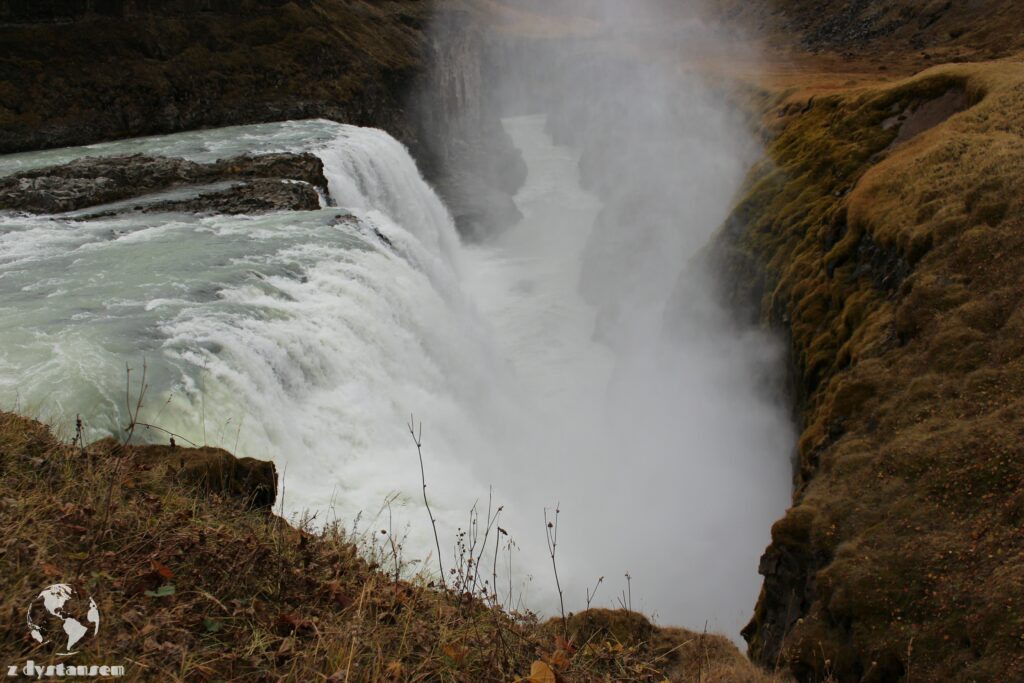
75,72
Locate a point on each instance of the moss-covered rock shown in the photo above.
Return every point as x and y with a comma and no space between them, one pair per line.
893,267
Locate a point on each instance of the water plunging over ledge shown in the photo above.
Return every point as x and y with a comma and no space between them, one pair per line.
309,337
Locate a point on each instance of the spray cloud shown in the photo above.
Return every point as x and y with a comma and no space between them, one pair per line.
656,420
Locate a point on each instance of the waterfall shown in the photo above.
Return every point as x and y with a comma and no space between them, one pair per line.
309,338
303,337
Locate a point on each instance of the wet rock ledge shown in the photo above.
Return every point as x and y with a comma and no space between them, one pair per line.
243,184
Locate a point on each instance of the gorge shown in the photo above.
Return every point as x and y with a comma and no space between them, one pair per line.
686,281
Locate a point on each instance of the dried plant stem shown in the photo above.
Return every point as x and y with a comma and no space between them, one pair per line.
591,594
417,438
551,531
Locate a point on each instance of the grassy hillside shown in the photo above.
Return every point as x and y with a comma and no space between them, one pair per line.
196,580
890,253
934,29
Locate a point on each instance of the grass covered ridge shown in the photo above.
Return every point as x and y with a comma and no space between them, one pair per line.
897,272
197,581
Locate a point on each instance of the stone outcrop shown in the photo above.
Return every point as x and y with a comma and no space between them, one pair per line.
269,182
257,196
75,72
214,470
211,471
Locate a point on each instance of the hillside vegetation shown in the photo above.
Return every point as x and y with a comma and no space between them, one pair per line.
883,234
196,580
942,30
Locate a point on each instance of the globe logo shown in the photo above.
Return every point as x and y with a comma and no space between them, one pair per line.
58,613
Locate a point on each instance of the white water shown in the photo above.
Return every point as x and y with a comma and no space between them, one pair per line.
309,337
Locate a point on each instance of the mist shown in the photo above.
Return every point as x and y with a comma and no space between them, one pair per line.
576,359
655,421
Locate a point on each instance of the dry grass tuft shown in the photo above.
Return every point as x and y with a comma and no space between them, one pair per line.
896,271
194,584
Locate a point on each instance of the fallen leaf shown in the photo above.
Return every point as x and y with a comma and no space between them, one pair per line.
456,653
162,569
289,622
559,660
542,673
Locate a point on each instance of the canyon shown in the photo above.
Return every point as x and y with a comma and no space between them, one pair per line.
871,251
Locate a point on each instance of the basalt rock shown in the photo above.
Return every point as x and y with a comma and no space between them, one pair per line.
75,72
257,196
95,181
214,471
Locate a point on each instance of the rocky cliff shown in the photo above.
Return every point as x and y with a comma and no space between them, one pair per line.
79,71
880,235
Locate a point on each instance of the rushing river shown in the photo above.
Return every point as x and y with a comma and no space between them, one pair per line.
309,338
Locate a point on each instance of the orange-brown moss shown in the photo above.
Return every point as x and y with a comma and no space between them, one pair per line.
896,272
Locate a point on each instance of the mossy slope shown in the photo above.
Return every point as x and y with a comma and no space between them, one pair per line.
196,581
898,274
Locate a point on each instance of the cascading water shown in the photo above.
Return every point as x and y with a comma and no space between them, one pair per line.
305,337
309,338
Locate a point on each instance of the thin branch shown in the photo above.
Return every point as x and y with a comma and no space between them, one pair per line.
417,438
551,531
167,432
591,594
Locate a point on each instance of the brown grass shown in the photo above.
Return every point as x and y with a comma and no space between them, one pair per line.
255,599
897,273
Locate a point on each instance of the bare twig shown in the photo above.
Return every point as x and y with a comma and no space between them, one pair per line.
492,520
79,434
701,652
551,531
417,438
391,539
146,425
133,416
494,569
910,656
591,594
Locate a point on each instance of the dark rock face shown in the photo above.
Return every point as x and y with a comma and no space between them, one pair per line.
479,208
461,145
789,567
257,196
213,470
95,181
75,72
251,482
